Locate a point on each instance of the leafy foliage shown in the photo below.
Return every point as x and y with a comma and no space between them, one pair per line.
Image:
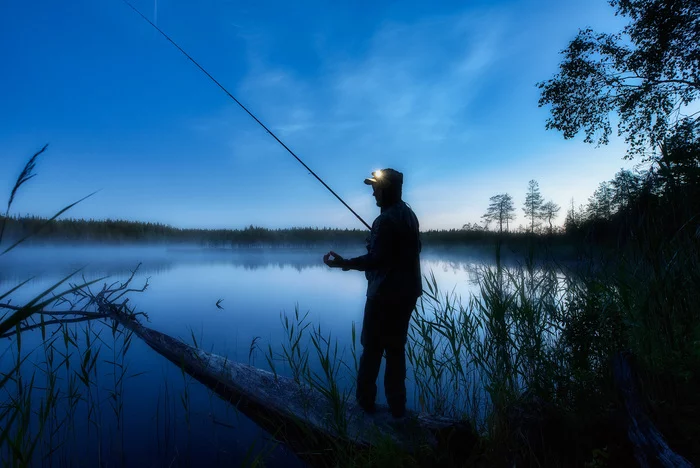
648,75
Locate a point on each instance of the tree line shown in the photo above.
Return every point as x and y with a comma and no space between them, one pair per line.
121,231
669,187
501,211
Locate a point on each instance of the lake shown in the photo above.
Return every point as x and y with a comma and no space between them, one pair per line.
166,418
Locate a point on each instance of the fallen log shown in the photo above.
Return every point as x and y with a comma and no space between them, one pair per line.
296,414
650,448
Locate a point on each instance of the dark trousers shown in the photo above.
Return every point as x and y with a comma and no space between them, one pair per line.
384,330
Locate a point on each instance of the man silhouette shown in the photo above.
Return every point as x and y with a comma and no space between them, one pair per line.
392,269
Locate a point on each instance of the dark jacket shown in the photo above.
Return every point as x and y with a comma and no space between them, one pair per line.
392,262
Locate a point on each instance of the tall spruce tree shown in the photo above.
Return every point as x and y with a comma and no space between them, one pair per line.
533,204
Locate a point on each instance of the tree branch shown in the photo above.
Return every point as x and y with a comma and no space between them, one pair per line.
50,322
54,312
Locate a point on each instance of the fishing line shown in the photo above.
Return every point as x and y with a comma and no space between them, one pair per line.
246,109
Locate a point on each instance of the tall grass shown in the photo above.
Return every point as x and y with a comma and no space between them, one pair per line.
46,391
525,361
62,399
26,424
525,357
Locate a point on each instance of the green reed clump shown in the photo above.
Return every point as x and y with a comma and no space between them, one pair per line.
542,337
659,288
525,360
307,345
47,389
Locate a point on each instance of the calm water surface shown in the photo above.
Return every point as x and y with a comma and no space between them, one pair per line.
256,286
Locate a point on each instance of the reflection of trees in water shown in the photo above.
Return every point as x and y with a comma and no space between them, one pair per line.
44,261
474,262
19,271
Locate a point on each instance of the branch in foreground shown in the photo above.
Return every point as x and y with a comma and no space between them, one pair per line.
47,323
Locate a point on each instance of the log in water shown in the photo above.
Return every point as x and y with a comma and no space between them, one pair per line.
650,448
306,420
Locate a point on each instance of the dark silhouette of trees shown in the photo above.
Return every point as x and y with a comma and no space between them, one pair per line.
679,163
501,210
573,218
549,212
647,74
533,204
600,204
119,231
647,78
626,187
473,227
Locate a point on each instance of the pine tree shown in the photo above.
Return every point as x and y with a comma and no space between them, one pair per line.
501,210
571,222
600,204
625,187
533,204
549,212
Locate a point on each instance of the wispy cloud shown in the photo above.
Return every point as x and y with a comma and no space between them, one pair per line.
413,98
412,85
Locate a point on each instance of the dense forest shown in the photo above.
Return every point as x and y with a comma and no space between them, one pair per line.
597,365
664,194
119,231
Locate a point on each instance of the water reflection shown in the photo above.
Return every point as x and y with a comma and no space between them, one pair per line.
56,260
255,288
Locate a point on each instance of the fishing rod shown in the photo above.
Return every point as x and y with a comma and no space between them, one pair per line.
247,111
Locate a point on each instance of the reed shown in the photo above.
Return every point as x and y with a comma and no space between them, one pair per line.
525,361
28,425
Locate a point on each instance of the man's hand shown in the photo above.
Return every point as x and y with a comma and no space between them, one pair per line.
335,262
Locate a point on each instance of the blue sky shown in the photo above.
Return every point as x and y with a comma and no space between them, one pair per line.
442,91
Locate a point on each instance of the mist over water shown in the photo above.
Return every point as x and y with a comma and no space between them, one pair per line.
255,286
